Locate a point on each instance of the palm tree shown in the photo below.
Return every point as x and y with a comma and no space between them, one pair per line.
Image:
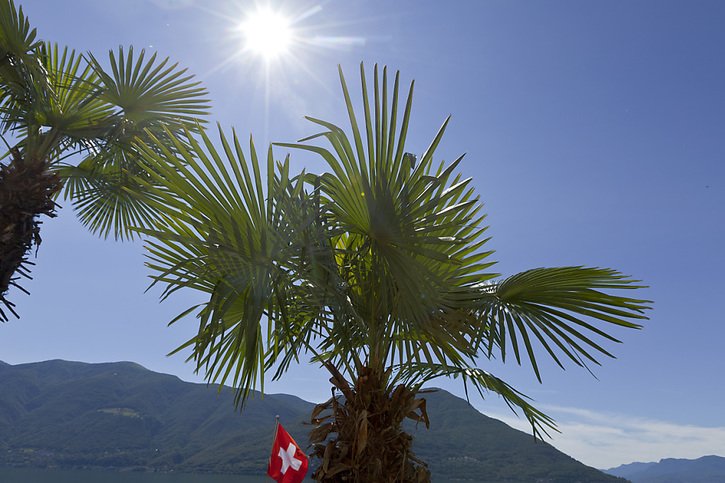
376,269
59,106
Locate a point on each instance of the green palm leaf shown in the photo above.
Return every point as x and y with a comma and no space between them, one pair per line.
148,100
221,237
559,308
22,77
108,200
74,106
484,383
151,94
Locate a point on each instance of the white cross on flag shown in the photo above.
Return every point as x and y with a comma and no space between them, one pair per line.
287,463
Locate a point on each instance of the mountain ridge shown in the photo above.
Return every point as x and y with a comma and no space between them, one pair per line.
705,469
123,416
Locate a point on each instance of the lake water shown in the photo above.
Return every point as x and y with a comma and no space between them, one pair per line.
27,475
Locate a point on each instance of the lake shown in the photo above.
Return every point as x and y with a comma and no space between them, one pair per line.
31,475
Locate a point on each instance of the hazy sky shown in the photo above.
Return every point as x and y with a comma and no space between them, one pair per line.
594,132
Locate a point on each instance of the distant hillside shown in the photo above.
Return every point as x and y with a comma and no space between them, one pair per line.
708,469
120,415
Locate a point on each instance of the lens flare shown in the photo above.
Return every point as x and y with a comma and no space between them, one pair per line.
267,34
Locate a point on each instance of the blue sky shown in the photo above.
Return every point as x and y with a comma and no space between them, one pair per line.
594,132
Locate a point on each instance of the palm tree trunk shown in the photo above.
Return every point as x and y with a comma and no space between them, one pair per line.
27,190
359,438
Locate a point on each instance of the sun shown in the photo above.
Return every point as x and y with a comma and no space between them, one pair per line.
267,33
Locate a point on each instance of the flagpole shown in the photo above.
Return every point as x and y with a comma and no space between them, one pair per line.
276,428
274,438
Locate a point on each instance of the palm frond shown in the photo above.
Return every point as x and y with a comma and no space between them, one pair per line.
150,94
140,101
109,201
18,45
560,308
22,77
484,383
17,37
74,106
220,236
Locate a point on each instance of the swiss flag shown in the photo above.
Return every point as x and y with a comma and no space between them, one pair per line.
287,463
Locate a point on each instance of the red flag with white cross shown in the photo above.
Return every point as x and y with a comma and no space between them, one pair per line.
287,463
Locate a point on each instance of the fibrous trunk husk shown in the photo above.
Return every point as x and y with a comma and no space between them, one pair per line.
27,190
358,435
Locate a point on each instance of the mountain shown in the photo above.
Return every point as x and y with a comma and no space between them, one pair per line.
708,469
120,415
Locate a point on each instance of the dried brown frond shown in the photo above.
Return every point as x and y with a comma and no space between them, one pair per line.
359,437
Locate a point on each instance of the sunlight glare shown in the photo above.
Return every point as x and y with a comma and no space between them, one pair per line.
267,33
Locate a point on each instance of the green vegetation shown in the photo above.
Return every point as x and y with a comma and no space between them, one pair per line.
74,124
377,269
59,414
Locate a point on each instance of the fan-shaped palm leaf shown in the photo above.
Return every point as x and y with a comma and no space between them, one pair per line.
20,70
151,94
559,308
74,106
223,236
146,97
